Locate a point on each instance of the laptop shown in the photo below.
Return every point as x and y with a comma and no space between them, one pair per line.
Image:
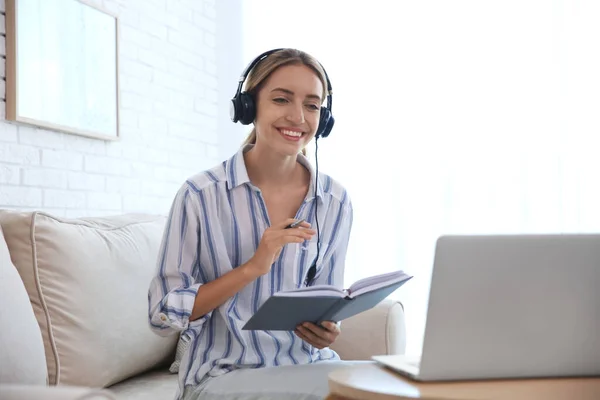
510,306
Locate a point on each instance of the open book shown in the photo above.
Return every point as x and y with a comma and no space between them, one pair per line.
287,309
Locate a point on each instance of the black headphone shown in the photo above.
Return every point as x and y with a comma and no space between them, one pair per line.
243,108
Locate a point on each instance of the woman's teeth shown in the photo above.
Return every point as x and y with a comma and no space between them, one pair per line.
291,133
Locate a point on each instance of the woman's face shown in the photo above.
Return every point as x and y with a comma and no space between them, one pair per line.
288,109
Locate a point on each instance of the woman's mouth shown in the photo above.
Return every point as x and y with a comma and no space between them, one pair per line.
292,135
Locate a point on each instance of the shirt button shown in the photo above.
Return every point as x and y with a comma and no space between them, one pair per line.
163,317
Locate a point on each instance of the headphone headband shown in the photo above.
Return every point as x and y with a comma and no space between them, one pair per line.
243,107
254,62
266,54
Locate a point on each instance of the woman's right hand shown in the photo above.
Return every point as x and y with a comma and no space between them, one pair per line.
272,242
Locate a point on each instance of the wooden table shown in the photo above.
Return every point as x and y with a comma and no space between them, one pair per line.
371,381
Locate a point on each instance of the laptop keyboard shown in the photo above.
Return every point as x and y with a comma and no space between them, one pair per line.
414,362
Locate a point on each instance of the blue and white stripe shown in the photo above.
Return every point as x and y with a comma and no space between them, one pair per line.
215,225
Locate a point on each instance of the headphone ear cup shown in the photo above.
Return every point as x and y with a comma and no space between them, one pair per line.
326,122
330,123
248,109
235,109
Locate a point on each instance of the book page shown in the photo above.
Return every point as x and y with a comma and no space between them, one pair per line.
375,282
313,291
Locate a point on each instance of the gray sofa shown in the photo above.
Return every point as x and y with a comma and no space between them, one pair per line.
74,306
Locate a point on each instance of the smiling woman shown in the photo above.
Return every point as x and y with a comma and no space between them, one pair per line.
290,112
304,86
229,244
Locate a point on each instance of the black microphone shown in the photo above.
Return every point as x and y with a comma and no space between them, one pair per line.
311,274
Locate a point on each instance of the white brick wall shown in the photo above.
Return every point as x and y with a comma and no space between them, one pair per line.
169,94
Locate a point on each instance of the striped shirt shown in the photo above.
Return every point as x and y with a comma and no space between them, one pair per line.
215,225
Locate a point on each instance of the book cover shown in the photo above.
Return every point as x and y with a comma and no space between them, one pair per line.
287,309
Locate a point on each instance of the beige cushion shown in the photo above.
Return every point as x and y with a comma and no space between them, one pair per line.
159,385
25,392
22,359
88,283
378,331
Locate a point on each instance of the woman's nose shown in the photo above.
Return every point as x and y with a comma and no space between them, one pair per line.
295,114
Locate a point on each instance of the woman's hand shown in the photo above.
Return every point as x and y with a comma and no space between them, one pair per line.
272,242
317,336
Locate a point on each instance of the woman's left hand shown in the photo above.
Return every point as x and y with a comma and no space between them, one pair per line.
318,336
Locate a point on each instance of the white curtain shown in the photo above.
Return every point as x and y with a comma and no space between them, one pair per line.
451,117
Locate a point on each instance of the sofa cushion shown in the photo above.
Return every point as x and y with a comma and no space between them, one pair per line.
27,392
22,359
88,281
153,385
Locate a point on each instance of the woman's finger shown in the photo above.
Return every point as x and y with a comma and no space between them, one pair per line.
332,327
322,332
291,238
321,337
301,233
307,339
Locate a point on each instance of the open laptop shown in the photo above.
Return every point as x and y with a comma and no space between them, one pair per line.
510,306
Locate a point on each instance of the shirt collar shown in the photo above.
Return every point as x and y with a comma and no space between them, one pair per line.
237,174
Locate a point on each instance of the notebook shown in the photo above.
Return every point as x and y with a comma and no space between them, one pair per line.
285,310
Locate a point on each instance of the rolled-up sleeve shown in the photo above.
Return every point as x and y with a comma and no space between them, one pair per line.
173,289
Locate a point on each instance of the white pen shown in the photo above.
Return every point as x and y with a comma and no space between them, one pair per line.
295,224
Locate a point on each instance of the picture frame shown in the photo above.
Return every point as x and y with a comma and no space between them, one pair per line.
62,67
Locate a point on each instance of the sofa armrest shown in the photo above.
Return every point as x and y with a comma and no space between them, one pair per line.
378,331
26,392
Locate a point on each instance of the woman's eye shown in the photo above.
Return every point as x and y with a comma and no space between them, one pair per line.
313,107
280,100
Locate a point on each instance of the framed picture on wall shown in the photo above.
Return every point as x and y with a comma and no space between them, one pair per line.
62,67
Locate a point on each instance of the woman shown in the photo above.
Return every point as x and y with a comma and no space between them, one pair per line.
226,248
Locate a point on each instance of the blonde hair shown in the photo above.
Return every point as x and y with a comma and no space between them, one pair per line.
266,67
